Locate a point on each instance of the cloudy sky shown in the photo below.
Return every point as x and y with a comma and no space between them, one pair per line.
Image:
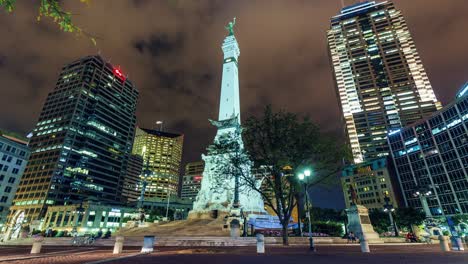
171,50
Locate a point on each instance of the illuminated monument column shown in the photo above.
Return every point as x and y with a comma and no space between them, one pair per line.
212,197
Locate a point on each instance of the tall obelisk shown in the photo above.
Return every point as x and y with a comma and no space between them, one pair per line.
213,199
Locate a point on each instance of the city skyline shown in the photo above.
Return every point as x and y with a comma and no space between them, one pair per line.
341,129
189,40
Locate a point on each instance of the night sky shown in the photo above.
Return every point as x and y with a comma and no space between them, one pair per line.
171,51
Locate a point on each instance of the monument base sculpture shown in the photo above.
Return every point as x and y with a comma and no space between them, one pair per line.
359,223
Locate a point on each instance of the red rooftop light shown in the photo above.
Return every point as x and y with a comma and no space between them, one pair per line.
119,74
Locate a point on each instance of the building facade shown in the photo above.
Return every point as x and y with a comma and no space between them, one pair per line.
82,140
433,154
131,188
176,208
372,181
380,80
87,217
191,181
162,154
14,154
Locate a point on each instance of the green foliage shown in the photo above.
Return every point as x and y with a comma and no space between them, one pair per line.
380,220
9,5
460,218
280,140
408,216
330,228
327,214
35,232
53,10
158,213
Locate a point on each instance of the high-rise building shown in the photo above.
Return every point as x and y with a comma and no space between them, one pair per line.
372,181
380,80
191,181
14,154
131,188
161,153
432,155
82,140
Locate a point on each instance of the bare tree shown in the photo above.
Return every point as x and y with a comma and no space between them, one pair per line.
278,145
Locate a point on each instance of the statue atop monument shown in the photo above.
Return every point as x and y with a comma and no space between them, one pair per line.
354,200
230,27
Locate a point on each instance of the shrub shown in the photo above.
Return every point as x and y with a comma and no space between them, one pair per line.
35,232
330,228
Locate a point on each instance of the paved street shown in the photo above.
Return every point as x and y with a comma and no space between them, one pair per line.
412,254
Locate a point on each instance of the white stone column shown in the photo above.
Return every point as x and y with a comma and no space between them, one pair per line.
118,246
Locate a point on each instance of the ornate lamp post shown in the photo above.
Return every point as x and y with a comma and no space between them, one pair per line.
388,208
422,193
302,177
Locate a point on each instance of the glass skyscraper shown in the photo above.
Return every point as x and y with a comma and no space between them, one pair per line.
380,80
82,140
432,154
14,154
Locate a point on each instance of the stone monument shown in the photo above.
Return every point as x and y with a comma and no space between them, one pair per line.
359,222
213,200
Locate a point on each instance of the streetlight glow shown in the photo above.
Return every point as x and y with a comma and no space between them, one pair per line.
301,177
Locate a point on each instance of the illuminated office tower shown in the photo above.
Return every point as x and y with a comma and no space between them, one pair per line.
432,155
82,140
380,80
14,154
131,190
191,181
161,153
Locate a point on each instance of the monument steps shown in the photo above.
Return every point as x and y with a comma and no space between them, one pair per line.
184,228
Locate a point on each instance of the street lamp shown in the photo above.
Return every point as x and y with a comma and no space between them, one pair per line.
388,208
422,193
302,176
160,123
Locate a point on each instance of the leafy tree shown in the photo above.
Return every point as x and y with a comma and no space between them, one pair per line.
327,215
159,212
380,220
280,144
460,219
52,9
408,216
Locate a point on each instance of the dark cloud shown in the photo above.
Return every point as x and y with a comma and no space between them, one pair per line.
161,44
171,49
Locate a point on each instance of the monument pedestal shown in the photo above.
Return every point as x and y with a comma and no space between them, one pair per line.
359,223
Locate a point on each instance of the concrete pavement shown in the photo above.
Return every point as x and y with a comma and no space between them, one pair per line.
381,254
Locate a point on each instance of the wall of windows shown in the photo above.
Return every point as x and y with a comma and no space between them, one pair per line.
82,139
380,80
14,155
434,153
